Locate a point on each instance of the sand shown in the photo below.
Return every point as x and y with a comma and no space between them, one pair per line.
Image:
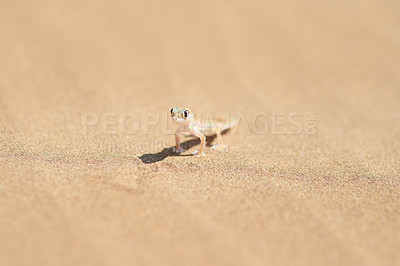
87,174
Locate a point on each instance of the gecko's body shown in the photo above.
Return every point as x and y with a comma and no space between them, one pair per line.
188,123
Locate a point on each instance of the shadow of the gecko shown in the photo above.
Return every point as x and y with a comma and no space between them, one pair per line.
149,158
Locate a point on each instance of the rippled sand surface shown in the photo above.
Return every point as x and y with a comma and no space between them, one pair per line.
309,177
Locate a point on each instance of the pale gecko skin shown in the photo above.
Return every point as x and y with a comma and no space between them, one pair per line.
188,123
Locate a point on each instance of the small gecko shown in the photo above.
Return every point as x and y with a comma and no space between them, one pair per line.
188,123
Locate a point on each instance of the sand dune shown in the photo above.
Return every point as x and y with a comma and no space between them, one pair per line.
309,177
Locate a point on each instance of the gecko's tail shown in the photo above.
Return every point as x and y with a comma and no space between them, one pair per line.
229,122
217,124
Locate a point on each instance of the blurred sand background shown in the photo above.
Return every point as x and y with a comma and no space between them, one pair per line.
330,198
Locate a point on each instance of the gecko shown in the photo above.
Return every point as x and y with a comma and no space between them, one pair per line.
188,123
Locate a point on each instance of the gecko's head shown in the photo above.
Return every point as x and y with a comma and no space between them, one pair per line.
181,115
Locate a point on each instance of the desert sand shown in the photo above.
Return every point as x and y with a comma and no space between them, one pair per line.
87,173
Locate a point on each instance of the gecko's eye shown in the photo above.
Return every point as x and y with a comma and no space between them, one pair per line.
186,113
172,109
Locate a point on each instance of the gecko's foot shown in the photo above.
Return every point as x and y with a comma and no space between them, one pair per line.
218,147
180,150
197,154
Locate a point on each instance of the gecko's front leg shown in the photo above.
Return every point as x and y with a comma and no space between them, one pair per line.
177,148
220,145
202,143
